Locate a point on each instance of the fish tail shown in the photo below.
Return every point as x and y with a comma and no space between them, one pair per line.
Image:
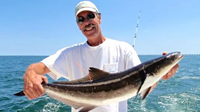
21,93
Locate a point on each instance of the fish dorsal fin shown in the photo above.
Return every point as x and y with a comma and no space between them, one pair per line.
94,73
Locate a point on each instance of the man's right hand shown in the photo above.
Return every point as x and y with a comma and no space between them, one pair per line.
33,79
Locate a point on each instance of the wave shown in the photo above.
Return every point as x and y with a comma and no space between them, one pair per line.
43,104
190,77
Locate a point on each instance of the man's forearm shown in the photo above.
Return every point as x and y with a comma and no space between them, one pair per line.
38,68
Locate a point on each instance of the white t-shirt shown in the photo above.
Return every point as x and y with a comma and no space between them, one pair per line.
111,56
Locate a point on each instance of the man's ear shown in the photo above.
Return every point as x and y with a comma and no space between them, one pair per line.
99,16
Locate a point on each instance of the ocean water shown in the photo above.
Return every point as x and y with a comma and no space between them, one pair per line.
181,93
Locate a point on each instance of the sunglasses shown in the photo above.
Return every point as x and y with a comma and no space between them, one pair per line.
81,19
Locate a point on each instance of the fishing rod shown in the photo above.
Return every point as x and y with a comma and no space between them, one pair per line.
136,29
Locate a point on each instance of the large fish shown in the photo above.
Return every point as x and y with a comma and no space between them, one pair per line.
105,88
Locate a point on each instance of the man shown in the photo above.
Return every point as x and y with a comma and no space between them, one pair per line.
98,51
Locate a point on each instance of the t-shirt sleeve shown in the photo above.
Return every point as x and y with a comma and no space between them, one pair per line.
132,58
57,65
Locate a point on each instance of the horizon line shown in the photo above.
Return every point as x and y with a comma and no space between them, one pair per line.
50,54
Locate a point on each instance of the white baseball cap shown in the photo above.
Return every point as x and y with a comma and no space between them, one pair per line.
85,6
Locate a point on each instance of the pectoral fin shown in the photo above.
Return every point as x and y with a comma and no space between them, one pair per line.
144,94
142,82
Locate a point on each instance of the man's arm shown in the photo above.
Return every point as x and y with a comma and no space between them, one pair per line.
33,78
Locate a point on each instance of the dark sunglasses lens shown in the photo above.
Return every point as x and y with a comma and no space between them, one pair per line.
80,19
90,16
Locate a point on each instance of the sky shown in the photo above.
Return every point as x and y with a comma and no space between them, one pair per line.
41,27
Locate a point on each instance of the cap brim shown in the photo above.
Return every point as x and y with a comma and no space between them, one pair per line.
85,9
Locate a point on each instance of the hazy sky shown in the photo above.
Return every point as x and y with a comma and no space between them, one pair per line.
41,27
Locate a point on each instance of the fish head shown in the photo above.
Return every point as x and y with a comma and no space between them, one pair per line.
160,66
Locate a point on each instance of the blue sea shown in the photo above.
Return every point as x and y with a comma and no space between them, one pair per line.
181,93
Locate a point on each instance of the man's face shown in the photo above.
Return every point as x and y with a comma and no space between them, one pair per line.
89,27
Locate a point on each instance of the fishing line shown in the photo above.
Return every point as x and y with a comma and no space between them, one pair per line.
136,29
84,71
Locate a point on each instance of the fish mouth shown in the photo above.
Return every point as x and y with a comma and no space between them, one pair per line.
178,58
177,55
173,58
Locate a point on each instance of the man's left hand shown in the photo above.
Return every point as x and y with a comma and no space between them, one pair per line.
171,72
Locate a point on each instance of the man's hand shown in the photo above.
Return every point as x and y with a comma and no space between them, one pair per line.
171,72
32,81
